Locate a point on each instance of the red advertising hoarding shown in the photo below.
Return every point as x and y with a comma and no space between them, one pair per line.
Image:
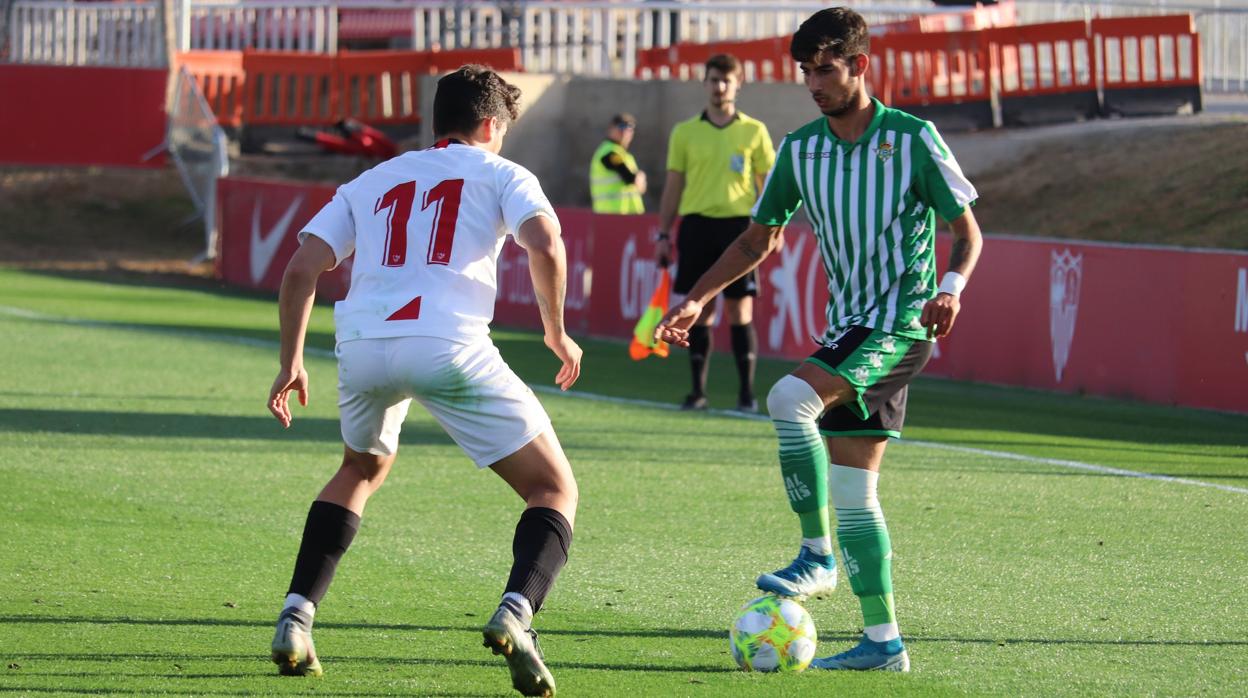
1159,324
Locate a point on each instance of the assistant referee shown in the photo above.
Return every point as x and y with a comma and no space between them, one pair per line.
716,163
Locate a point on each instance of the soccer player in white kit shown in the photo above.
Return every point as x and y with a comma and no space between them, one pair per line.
426,229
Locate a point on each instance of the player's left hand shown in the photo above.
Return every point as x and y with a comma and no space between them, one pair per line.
939,314
279,395
674,327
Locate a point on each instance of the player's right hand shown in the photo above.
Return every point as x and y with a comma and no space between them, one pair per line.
674,327
279,395
569,352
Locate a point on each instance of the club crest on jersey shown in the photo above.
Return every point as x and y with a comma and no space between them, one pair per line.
885,151
737,163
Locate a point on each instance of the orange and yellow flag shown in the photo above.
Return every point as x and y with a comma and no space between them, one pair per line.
644,344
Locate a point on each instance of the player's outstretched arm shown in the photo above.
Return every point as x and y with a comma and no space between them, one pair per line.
742,256
313,258
548,267
940,312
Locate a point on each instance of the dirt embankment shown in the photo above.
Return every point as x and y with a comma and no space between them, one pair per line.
1162,183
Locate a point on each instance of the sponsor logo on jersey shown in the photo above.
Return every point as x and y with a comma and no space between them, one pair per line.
875,358
861,374
1065,278
264,247
888,344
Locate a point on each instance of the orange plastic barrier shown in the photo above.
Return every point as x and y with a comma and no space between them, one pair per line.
765,60
1159,51
501,59
222,80
1038,59
941,68
1063,62
278,88
290,89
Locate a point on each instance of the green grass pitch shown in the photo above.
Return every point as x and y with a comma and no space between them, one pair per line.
151,509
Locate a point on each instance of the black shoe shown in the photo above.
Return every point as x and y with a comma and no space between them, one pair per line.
694,402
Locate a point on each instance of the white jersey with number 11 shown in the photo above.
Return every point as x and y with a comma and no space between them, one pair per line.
426,229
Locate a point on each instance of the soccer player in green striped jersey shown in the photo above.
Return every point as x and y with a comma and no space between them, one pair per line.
873,180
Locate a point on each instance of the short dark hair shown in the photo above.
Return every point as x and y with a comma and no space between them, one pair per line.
725,63
471,95
624,120
838,31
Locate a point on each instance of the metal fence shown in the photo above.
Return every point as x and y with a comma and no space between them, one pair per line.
68,33
584,37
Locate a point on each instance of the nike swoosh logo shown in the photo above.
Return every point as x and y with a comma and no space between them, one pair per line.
264,248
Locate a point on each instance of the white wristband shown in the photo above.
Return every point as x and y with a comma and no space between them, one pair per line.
952,283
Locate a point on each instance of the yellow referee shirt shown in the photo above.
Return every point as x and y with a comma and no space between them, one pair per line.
720,164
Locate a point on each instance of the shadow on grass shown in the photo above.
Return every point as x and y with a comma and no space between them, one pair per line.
440,662
320,691
191,426
691,633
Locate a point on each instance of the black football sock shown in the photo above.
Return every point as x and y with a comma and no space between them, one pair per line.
699,356
326,536
539,549
745,351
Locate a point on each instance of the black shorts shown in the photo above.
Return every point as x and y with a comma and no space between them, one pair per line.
880,367
699,242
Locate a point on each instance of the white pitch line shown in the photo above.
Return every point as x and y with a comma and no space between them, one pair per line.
635,402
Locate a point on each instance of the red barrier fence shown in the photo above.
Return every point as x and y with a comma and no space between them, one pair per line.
913,66
1148,51
1055,315
278,88
60,115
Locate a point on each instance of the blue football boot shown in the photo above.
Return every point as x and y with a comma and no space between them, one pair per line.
869,655
811,574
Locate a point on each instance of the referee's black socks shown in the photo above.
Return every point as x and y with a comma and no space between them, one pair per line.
745,351
699,357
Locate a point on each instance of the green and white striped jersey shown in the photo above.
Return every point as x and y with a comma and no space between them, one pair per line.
873,205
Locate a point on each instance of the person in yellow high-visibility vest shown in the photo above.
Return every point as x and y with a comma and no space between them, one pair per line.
615,182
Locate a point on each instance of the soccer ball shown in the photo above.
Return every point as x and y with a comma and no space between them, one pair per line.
773,634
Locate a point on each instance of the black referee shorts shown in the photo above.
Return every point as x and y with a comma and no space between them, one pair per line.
699,242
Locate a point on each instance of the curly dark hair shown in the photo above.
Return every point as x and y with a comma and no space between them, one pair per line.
471,95
838,31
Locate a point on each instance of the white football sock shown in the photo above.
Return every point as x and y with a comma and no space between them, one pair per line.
819,546
300,602
883,632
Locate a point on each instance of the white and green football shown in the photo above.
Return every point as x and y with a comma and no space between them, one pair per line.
773,634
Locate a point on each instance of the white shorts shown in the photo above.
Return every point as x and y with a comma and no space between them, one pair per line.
468,388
